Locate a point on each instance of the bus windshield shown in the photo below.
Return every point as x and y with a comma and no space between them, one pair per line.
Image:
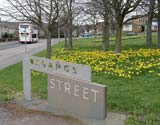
24,26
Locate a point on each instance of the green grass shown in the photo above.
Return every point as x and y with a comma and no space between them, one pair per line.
138,98
11,82
96,43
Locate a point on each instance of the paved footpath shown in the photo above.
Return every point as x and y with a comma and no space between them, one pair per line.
11,114
14,55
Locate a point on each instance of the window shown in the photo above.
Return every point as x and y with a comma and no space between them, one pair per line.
24,34
34,35
24,26
35,27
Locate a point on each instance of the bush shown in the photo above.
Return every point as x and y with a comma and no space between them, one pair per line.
6,35
9,37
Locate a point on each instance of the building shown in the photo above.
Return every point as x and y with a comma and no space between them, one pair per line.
100,26
155,25
139,24
8,27
128,27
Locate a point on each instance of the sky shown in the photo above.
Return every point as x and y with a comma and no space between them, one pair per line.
3,3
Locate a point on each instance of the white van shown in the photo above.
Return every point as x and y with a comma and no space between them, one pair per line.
28,33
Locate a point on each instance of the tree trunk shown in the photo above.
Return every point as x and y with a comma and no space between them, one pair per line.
158,44
70,28
65,43
48,54
112,26
105,45
77,32
149,33
70,37
149,24
118,48
95,30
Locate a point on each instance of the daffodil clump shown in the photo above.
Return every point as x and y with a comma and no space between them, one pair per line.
126,64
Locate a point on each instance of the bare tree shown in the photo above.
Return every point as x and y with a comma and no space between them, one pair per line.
69,7
149,23
158,24
43,13
91,19
100,7
106,24
72,11
65,32
121,8
78,22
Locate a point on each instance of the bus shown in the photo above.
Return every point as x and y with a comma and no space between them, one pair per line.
28,33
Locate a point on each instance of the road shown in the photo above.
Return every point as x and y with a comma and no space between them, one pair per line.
9,45
13,53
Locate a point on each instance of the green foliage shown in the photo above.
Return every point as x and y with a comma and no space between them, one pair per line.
11,82
9,37
5,35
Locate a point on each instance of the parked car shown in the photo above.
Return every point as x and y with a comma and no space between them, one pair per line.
86,35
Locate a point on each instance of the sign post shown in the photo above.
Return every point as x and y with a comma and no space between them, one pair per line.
48,66
70,91
26,79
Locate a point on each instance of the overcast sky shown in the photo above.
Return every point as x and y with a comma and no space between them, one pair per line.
2,4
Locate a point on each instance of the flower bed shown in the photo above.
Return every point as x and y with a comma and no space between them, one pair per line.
126,64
